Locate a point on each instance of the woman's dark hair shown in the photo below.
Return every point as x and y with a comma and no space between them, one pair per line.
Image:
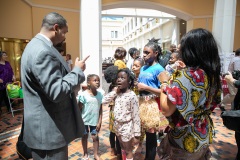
199,50
130,76
1,53
120,53
237,52
154,45
132,51
110,75
141,60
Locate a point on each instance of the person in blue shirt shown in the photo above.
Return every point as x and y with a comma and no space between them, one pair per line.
90,102
149,89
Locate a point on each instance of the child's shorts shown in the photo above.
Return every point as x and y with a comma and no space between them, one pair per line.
93,130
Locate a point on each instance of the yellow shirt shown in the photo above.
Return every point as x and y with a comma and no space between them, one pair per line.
120,64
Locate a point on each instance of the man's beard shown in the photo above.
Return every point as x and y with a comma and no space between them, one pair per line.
60,45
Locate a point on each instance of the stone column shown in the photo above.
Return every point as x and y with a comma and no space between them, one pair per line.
91,35
224,27
175,33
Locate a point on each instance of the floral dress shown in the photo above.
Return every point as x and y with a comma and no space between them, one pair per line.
191,124
126,114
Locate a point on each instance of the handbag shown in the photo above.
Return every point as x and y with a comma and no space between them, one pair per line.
231,119
23,151
20,93
13,89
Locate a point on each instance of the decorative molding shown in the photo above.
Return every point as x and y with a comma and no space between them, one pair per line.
148,5
50,7
132,4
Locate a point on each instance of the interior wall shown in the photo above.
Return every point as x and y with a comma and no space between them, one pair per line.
23,21
15,19
237,34
195,8
72,37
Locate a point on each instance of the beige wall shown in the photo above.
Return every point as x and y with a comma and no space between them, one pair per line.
237,26
15,19
193,7
202,23
23,21
237,34
70,4
72,37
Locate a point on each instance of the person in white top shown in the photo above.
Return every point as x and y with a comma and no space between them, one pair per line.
134,53
233,65
69,61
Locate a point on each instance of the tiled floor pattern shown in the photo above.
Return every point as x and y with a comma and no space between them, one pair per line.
223,148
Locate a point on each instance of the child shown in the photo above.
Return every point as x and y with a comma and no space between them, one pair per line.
90,104
174,63
119,55
110,75
69,61
126,115
137,64
149,89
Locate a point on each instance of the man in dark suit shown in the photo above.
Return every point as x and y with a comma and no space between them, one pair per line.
52,118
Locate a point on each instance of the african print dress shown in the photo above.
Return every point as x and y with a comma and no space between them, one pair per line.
191,124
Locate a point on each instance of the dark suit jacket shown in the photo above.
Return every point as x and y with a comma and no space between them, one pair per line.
52,118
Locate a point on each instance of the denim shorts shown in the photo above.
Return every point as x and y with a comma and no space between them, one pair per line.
93,130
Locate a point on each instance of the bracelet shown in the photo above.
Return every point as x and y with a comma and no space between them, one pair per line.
164,84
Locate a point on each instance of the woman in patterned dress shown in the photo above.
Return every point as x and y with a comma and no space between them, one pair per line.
190,98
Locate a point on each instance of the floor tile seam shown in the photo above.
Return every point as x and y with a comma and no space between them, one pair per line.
9,138
13,130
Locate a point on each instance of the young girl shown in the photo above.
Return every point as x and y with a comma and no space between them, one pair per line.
119,55
110,75
126,115
69,61
137,64
90,102
149,89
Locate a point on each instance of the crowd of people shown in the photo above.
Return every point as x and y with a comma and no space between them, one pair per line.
170,94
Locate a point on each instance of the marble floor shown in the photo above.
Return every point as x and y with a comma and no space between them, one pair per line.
223,147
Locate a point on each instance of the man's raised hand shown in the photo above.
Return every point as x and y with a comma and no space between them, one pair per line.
81,63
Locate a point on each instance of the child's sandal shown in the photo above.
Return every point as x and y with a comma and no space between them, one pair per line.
85,158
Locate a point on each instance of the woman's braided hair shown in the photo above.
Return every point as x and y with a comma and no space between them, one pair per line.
154,45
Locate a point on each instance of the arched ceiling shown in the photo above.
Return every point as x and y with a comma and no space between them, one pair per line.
186,9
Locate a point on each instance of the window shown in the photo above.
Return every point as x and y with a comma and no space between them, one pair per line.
131,24
112,34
